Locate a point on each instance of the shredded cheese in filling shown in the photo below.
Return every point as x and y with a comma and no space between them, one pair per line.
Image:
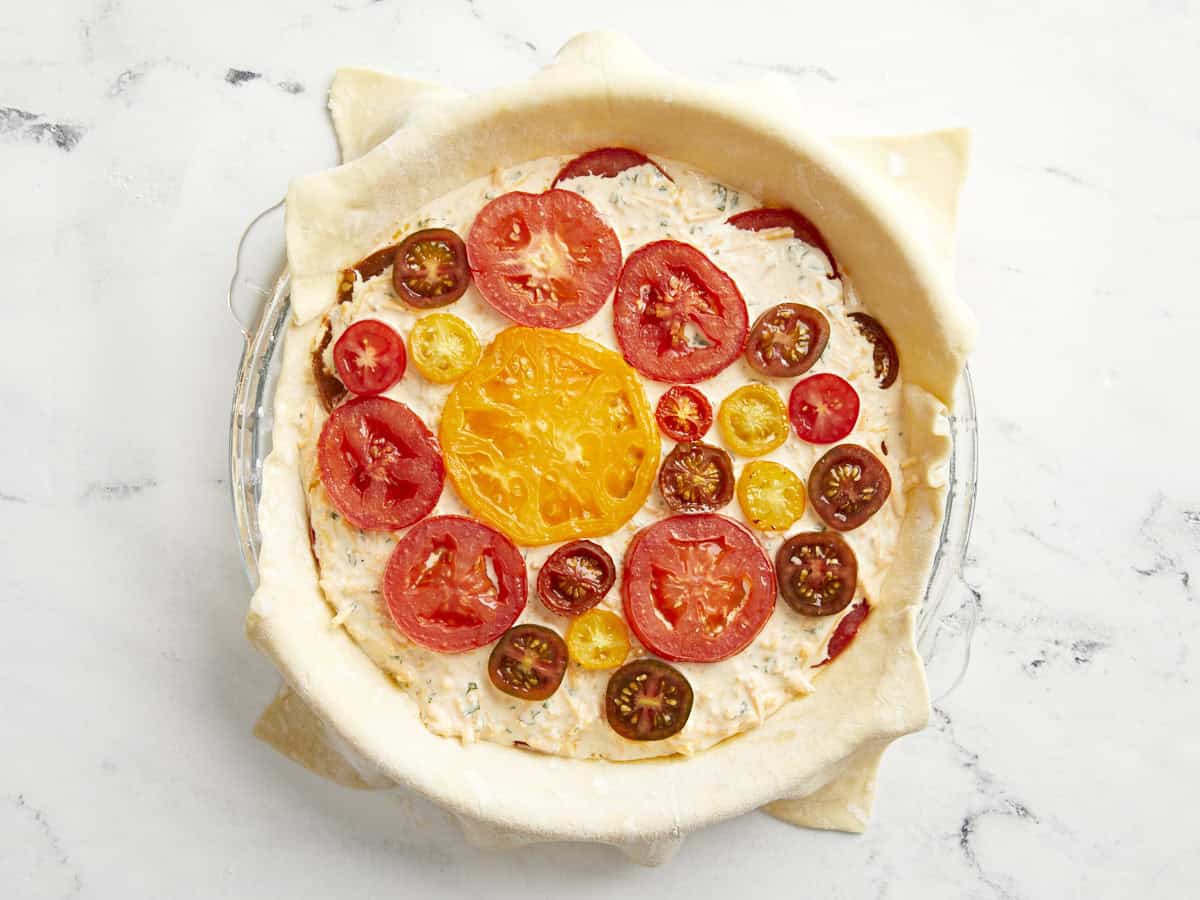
451,692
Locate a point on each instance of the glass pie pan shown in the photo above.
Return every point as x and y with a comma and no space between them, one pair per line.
258,299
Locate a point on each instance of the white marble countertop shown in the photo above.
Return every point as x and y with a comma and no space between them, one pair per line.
138,137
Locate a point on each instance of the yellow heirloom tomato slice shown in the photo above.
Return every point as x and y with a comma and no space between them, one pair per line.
550,438
443,347
771,495
598,640
753,420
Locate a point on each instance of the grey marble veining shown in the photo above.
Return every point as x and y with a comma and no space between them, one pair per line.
136,140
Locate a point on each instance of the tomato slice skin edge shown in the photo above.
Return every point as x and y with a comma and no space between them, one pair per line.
606,162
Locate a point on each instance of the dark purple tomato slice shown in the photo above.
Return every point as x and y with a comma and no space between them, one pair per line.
647,700
431,268
887,362
847,486
696,477
576,577
528,662
787,340
817,573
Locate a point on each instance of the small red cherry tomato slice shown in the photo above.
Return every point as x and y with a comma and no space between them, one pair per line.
677,316
845,631
782,217
823,408
546,260
528,662
887,363
575,578
697,588
847,486
380,465
696,477
430,268
606,162
787,339
369,357
453,584
817,573
329,388
683,413
647,700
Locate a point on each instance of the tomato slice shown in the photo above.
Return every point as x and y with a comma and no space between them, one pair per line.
887,362
845,631
823,408
783,217
598,640
647,700
677,316
543,259
369,357
379,464
430,268
453,584
329,388
444,348
817,572
696,477
576,577
787,340
753,420
528,662
771,495
697,588
683,413
606,162
848,485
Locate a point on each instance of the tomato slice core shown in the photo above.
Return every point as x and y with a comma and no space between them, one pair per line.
379,464
545,260
453,584
823,408
677,316
697,588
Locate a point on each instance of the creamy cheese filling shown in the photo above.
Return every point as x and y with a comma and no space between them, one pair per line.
452,693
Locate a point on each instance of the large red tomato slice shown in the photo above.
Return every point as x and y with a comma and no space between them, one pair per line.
547,260
697,588
677,316
380,465
453,584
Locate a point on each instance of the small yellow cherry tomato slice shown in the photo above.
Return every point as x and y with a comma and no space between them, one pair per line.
598,640
443,347
753,420
771,495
